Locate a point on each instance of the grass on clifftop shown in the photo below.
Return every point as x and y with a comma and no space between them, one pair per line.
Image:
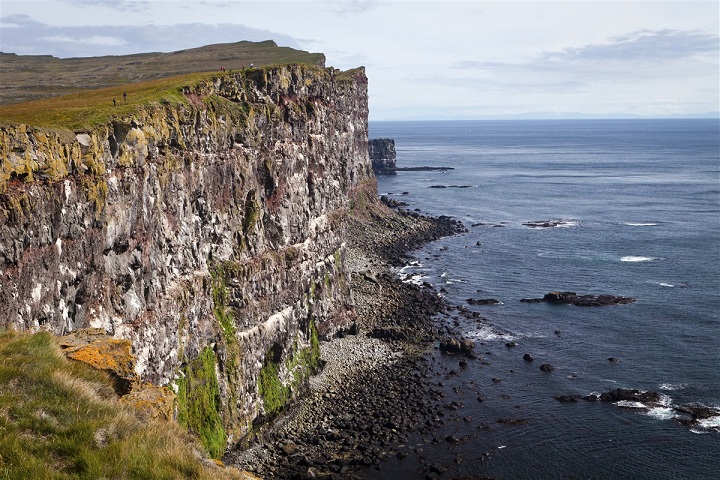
60,419
82,111
31,77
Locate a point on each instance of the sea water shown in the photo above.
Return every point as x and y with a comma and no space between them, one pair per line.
635,209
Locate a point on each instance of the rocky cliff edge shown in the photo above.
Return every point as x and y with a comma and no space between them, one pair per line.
208,232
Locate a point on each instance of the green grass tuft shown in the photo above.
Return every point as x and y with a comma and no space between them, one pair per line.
60,419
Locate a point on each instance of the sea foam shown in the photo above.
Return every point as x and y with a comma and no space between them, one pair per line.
637,258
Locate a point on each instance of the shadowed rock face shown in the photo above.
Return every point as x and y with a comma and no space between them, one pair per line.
212,226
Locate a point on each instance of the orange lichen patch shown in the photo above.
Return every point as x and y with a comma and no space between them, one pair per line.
96,348
157,403
107,354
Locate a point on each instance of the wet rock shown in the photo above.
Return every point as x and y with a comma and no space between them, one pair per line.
451,345
546,367
572,298
528,358
621,394
483,301
512,421
613,360
699,411
438,468
467,346
567,398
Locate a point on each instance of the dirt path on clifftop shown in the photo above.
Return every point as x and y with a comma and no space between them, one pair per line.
375,388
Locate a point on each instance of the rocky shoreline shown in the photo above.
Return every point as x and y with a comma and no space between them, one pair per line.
375,388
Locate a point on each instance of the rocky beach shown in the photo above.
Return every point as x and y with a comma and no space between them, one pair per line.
375,387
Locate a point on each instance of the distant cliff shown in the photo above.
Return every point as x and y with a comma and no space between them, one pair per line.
208,232
382,155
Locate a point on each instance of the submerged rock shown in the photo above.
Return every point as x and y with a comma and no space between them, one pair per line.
567,398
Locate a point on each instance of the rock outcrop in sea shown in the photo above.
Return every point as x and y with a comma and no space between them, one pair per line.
382,155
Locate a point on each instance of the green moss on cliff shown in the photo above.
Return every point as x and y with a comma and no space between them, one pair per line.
301,363
274,393
220,277
199,402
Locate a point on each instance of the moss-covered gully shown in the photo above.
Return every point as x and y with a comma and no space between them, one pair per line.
214,232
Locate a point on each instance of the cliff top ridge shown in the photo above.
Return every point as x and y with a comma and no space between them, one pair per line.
32,77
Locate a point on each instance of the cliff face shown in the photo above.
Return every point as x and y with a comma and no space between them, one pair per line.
382,155
207,233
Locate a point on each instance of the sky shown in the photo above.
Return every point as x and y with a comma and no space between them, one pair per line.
428,60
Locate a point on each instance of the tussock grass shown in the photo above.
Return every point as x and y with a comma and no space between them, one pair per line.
60,419
83,111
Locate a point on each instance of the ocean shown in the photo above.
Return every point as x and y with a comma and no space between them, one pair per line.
635,211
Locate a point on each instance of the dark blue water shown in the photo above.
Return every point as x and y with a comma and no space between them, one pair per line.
639,205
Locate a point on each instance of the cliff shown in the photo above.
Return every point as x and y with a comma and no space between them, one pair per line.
206,231
382,155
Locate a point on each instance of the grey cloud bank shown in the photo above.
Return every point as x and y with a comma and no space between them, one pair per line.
429,60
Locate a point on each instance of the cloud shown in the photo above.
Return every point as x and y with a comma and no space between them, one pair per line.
642,56
93,40
356,6
641,45
30,37
123,5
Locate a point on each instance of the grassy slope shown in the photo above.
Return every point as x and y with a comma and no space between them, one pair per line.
82,111
31,77
61,419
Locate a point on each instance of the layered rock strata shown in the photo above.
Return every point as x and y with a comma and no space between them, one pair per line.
208,233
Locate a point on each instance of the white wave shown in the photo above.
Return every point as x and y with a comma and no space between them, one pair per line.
662,413
416,279
631,404
710,423
416,266
568,223
637,258
663,284
488,333
672,386
648,224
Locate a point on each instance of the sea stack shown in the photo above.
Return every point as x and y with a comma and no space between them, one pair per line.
382,155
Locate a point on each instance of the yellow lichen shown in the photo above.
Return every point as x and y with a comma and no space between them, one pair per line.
110,354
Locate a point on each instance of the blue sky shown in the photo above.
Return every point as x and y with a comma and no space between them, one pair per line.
428,59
